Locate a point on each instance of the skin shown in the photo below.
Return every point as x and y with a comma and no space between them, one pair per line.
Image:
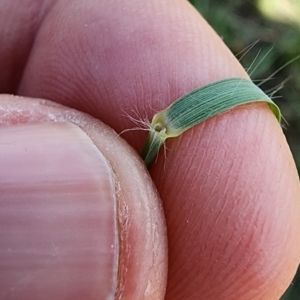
229,186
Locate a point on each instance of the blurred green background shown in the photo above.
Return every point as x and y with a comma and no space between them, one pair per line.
272,28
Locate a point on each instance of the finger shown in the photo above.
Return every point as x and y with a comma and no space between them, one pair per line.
231,200
110,60
123,61
79,216
19,22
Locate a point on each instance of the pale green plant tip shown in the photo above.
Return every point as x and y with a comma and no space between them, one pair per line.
276,111
198,106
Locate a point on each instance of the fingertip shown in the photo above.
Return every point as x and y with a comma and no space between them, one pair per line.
233,208
136,252
117,60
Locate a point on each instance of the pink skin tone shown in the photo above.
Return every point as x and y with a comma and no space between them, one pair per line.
229,187
82,200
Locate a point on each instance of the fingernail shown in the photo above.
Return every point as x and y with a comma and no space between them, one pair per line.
58,227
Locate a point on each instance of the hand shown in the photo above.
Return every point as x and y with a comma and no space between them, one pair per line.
229,187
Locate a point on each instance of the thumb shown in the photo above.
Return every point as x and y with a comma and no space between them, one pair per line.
80,218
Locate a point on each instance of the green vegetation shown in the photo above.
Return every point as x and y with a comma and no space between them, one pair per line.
243,23
272,27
